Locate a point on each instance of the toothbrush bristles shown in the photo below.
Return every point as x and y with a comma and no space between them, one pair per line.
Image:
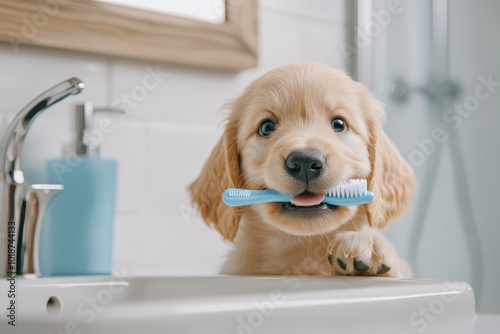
239,193
349,188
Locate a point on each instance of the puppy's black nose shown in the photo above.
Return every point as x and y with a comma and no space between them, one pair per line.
305,165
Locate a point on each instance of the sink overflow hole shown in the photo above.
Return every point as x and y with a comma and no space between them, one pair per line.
54,306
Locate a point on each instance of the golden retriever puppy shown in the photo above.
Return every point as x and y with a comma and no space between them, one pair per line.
302,129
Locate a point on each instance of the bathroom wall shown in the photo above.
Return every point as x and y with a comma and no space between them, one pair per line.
168,132
447,246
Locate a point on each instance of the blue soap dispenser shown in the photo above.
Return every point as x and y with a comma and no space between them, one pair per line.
77,231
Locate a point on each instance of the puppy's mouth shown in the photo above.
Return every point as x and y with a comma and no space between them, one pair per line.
307,202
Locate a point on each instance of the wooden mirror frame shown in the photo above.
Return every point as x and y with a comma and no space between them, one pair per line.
112,30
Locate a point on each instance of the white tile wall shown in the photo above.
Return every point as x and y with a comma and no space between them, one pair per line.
27,73
127,144
169,131
176,152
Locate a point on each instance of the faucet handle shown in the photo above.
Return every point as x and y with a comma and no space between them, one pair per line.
47,189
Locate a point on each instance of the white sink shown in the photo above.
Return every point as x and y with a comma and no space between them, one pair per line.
230,304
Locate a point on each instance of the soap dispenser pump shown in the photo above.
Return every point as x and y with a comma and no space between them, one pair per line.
77,232
89,137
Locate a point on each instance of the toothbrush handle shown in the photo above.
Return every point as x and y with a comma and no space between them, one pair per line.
242,197
248,197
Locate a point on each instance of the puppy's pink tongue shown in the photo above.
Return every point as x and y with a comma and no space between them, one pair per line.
307,199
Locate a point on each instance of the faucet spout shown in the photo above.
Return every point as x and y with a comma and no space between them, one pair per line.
13,138
13,187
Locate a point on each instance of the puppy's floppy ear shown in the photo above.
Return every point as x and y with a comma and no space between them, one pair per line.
221,171
391,178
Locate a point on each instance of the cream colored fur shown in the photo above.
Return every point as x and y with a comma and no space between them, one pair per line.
302,99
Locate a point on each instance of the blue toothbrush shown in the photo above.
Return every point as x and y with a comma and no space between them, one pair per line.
351,192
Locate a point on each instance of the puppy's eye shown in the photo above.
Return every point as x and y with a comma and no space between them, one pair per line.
338,125
266,128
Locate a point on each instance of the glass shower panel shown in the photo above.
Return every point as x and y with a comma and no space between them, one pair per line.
446,126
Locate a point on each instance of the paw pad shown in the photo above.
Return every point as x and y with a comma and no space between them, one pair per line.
342,264
360,265
382,269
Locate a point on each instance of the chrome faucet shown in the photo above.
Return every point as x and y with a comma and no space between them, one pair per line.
22,205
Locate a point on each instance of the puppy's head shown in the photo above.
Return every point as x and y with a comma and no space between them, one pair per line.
302,129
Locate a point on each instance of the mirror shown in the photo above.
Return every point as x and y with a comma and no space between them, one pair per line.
123,31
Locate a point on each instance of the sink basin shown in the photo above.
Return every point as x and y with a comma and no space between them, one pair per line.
232,304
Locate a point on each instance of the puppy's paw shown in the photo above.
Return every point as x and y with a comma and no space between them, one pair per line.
365,252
